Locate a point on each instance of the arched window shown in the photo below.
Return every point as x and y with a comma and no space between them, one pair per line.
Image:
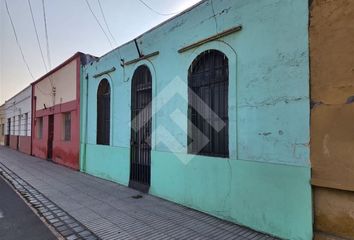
103,112
208,81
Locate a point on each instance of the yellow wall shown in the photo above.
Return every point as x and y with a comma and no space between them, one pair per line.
332,115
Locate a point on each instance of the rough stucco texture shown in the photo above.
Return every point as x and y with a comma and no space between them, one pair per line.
332,74
332,114
334,212
265,183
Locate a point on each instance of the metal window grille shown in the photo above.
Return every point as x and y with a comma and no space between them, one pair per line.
103,112
40,128
67,126
14,125
26,124
9,126
19,125
208,78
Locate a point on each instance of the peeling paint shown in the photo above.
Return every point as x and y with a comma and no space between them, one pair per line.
265,133
272,102
325,146
350,100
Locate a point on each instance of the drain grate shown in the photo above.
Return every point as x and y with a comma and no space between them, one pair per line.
61,221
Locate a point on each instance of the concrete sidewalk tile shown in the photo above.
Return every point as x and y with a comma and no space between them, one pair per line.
108,209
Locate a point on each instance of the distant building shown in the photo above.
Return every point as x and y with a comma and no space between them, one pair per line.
56,112
2,124
18,121
210,109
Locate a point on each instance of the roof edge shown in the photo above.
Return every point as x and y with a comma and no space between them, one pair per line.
158,25
66,62
15,95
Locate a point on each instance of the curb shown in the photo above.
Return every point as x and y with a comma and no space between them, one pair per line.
66,225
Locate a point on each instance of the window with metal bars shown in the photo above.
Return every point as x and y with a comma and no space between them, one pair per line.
67,126
208,81
14,124
40,127
103,112
26,124
9,126
19,125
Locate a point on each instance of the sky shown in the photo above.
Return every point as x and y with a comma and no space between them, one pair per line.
71,27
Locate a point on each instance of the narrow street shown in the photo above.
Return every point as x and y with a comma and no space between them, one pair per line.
107,209
17,220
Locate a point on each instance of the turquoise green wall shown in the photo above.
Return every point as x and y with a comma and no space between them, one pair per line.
265,184
109,163
268,197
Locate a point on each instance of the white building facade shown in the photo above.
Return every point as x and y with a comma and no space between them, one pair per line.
18,113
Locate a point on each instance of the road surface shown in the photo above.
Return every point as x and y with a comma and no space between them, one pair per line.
17,220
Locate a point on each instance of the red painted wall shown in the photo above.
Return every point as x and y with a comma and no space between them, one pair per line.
13,142
25,144
39,145
67,152
64,152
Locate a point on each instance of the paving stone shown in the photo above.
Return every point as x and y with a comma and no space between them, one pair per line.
60,214
66,232
49,217
72,237
62,228
58,224
107,210
84,233
52,221
64,217
68,221
78,229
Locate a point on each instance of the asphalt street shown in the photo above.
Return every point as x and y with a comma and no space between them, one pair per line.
17,220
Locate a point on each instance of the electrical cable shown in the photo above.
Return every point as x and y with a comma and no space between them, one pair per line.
105,22
17,41
155,11
101,27
47,41
46,35
98,22
35,29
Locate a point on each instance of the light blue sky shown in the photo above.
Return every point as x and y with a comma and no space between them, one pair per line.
71,28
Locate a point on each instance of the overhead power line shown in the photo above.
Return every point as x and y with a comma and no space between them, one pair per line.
16,38
105,22
155,11
35,29
98,22
46,35
47,44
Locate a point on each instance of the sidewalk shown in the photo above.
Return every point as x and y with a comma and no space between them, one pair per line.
110,210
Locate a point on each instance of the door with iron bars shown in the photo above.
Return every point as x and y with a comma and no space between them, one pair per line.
140,157
50,137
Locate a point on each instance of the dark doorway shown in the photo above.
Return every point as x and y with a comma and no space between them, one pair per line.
50,137
103,112
7,138
140,158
